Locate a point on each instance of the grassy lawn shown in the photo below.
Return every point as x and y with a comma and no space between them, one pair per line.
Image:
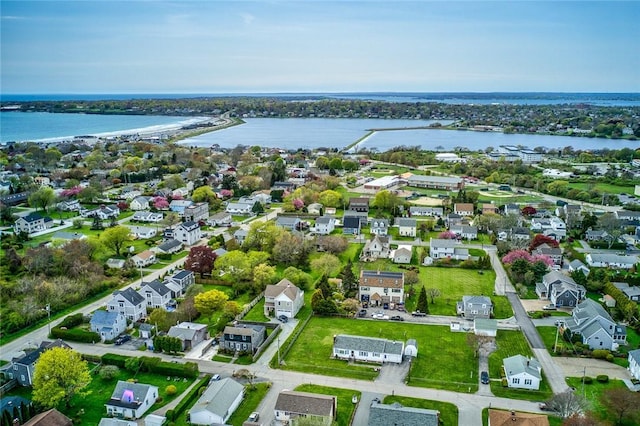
602,187
593,391
252,398
454,283
99,391
312,352
511,343
257,313
346,408
448,412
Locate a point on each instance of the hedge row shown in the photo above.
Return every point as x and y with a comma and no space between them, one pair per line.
172,415
155,365
75,335
71,321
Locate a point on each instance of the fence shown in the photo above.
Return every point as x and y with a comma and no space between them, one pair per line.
248,307
267,342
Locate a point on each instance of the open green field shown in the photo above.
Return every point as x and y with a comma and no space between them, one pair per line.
89,409
448,412
511,343
593,392
603,187
312,352
346,408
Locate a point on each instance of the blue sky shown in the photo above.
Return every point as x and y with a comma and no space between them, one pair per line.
318,46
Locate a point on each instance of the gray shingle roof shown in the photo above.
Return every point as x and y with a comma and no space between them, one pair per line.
218,397
396,414
306,403
131,295
368,344
519,364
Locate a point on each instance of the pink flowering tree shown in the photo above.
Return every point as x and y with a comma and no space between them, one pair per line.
160,203
71,192
447,235
542,258
226,193
514,255
298,203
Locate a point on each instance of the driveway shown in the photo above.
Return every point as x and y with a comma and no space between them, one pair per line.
576,367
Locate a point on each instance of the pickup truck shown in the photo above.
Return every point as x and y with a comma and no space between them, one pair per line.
418,314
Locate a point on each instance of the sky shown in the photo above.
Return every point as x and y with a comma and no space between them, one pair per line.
97,46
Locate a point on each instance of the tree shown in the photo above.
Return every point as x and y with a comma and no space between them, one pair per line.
42,198
291,249
262,235
566,404
423,304
203,194
326,264
330,198
334,244
298,277
109,372
278,171
234,265
210,301
59,375
433,293
541,239
324,287
230,309
263,275
200,260
622,404
349,280
162,319
257,208
316,298
585,419
115,238
385,200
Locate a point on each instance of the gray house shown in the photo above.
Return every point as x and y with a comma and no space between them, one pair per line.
598,330
217,403
396,414
108,324
287,222
129,303
560,289
472,307
243,337
632,292
23,367
191,334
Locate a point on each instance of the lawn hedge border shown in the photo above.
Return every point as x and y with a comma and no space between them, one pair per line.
193,394
75,335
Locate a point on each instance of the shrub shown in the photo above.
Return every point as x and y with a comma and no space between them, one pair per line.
602,378
114,359
75,335
71,321
610,357
600,353
109,372
170,414
587,380
133,364
170,390
505,383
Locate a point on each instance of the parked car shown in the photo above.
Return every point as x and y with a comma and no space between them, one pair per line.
418,314
362,313
122,339
401,308
283,318
215,377
484,378
396,318
253,417
549,307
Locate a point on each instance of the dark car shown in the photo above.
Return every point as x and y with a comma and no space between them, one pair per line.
484,378
362,313
418,314
283,318
396,318
122,339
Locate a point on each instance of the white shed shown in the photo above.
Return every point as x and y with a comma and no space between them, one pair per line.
411,348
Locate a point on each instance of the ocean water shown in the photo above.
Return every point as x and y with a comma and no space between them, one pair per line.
512,98
43,126
293,133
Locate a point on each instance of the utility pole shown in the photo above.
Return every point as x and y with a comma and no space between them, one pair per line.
584,374
279,362
48,309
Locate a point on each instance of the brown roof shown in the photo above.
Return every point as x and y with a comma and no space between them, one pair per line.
284,286
463,207
369,278
359,200
306,403
514,418
52,417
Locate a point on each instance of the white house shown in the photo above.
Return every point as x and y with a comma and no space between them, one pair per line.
131,400
30,224
179,281
426,211
143,259
220,219
217,403
142,232
156,293
606,260
317,409
442,248
402,254
178,206
367,349
188,233
379,226
381,288
465,232
147,216
283,298
129,303
464,209
407,227
240,208
522,372
325,225
108,324
634,363
376,248
139,203
196,212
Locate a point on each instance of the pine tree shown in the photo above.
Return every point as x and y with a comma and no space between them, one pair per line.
324,287
423,303
349,280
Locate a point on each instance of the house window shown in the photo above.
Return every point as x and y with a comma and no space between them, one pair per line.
396,290
121,304
376,355
527,381
362,353
15,367
515,381
22,378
